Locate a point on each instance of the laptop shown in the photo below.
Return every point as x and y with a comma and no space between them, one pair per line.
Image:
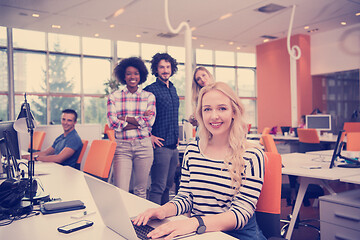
112,210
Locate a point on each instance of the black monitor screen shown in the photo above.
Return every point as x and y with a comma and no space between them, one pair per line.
337,149
320,122
8,132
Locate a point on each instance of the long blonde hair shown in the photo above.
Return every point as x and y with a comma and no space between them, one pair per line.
237,138
196,87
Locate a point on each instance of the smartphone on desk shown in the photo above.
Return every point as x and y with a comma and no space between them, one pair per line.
72,227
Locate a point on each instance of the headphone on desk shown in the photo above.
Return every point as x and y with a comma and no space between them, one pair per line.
12,191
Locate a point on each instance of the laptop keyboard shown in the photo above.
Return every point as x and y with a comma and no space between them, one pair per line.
142,231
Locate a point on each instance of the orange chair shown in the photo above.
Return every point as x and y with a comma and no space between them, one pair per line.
269,143
266,130
111,134
99,158
353,141
308,140
38,139
83,149
269,204
351,126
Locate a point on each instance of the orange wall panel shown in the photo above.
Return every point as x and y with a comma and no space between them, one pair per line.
273,81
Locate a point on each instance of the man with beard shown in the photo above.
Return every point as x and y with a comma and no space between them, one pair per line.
165,131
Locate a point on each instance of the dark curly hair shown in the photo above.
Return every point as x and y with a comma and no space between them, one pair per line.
120,69
163,56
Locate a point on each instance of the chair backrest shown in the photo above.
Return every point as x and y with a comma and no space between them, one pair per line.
266,130
351,126
269,143
38,139
353,141
111,134
83,149
99,158
308,135
268,207
106,127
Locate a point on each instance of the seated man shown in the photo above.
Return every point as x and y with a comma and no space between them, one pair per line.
67,147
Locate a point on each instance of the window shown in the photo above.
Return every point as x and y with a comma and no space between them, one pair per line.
96,47
246,82
149,50
227,75
3,71
204,56
250,111
64,74
60,103
38,106
128,49
4,107
64,43
246,59
178,53
96,72
28,39
224,58
3,36
29,72
95,110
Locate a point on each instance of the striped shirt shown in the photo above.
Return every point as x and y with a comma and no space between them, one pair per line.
124,103
205,187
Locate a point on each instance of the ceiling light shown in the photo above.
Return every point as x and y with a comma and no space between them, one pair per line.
238,48
118,12
201,45
112,25
231,43
35,15
96,35
306,27
265,40
193,28
313,30
225,16
56,26
343,23
138,35
357,14
194,38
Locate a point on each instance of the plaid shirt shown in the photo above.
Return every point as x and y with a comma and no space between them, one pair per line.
124,103
166,123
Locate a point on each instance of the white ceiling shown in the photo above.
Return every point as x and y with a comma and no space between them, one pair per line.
146,17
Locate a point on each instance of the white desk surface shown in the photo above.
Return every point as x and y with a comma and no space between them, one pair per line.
352,179
299,164
324,138
69,184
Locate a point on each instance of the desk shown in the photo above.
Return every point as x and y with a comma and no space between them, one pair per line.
69,184
298,164
288,138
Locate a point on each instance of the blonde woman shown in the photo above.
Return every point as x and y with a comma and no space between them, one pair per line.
222,174
202,77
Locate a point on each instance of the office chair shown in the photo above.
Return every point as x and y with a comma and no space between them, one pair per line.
269,143
308,140
106,128
266,130
269,204
99,158
111,134
353,141
38,140
83,149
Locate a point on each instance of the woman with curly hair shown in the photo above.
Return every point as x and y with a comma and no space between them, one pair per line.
222,174
131,113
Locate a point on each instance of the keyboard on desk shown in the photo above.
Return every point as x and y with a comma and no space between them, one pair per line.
142,231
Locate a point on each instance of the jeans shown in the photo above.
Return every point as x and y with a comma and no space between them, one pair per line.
162,174
133,156
251,231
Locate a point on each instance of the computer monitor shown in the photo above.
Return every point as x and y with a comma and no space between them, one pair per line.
321,122
8,132
337,149
182,135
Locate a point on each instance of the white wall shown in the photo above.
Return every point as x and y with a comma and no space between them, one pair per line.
336,50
